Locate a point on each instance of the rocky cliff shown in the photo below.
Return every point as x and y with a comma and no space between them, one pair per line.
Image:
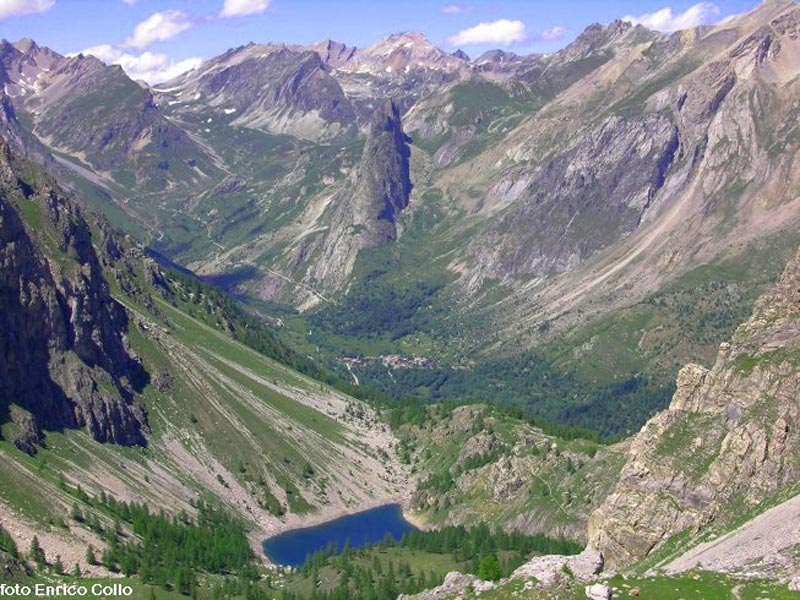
727,442
63,356
362,214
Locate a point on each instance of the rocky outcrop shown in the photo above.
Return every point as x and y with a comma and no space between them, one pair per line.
333,53
727,442
551,570
384,183
542,572
363,214
598,591
63,356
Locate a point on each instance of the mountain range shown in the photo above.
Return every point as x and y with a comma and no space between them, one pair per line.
248,285
530,206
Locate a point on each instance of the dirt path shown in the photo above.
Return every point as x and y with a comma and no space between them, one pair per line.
776,529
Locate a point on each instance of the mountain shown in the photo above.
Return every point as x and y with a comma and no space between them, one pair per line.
559,232
364,213
269,87
404,54
701,505
726,446
78,106
147,386
74,369
583,214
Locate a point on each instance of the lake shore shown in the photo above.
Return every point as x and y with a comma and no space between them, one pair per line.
324,515
363,527
418,520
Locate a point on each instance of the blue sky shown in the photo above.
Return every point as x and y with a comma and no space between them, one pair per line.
153,39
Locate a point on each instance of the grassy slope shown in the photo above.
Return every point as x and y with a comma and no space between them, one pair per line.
228,424
694,586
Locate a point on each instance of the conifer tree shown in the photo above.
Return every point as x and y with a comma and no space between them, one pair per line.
36,553
91,559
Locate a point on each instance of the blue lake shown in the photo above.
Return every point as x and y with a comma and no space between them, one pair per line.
362,529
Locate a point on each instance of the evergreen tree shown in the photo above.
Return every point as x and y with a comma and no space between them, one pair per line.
8,544
489,568
36,553
91,559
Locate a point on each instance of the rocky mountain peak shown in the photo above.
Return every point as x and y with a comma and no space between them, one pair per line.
334,53
404,52
363,214
385,166
408,39
496,56
26,45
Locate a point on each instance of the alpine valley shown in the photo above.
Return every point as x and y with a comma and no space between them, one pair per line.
550,304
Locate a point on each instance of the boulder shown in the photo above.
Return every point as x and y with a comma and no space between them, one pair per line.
598,591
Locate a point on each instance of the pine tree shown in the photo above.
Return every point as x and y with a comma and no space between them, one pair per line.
489,568
36,553
91,559
8,544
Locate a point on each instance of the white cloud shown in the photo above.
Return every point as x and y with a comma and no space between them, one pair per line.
554,33
130,2
150,66
503,32
241,8
669,21
158,27
454,9
16,8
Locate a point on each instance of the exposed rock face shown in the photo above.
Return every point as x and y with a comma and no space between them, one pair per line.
384,185
63,359
623,162
551,570
334,53
542,572
400,53
728,439
701,144
80,105
273,88
364,213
